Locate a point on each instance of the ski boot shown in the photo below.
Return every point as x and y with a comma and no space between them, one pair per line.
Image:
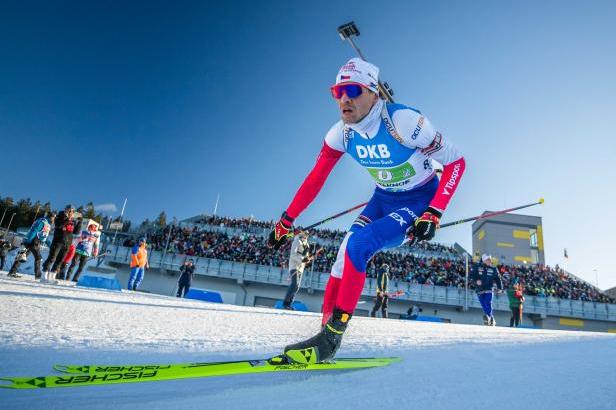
44,276
13,275
22,255
486,320
492,321
322,347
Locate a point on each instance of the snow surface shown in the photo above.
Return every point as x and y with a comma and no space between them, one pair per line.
444,366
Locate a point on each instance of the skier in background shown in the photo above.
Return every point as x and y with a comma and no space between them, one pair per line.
36,236
485,276
187,271
396,144
382,298
138,264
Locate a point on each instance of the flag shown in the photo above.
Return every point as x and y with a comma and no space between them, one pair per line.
565,254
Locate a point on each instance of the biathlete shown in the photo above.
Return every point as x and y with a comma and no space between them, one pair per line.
396,144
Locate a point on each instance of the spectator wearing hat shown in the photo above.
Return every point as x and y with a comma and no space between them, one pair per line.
37,235
187,271
516,300
138,264
485,276
64,226
87,246
382,298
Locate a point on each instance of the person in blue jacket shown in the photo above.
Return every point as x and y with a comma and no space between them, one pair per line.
485,277
36,236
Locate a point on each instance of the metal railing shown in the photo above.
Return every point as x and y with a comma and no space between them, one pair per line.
451,296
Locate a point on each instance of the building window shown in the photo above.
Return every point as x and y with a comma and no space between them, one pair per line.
533,238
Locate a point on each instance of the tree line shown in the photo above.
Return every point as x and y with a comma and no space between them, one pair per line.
23,212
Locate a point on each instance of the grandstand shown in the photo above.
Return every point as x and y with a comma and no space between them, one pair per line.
232,258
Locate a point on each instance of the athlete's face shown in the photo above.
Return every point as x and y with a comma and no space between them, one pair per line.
352,110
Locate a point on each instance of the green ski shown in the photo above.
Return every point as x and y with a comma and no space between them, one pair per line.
100,375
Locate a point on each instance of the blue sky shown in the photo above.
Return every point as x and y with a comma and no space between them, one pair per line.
171,104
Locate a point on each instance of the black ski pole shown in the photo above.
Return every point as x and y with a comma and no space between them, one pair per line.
491,214
314,225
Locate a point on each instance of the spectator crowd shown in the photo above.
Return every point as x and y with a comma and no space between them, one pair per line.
249,247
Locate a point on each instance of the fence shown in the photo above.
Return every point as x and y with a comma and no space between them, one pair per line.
452,296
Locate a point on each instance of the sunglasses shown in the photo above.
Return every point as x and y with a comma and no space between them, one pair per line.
351,90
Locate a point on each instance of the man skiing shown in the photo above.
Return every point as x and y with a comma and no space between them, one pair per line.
395,144
382,298
486,277
36,236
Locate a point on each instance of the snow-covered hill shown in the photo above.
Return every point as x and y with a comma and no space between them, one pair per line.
445,366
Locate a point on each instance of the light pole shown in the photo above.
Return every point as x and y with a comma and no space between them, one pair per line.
4,213
121,215
9,225
466,282
596,276
38,208
166,245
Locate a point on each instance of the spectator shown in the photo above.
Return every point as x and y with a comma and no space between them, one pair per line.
187,271
5,246
298,257
37,235
86,247
243,240
62,238
382,298
138,264
516,300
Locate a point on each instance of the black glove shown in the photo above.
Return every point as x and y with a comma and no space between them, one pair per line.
281,231
425,226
